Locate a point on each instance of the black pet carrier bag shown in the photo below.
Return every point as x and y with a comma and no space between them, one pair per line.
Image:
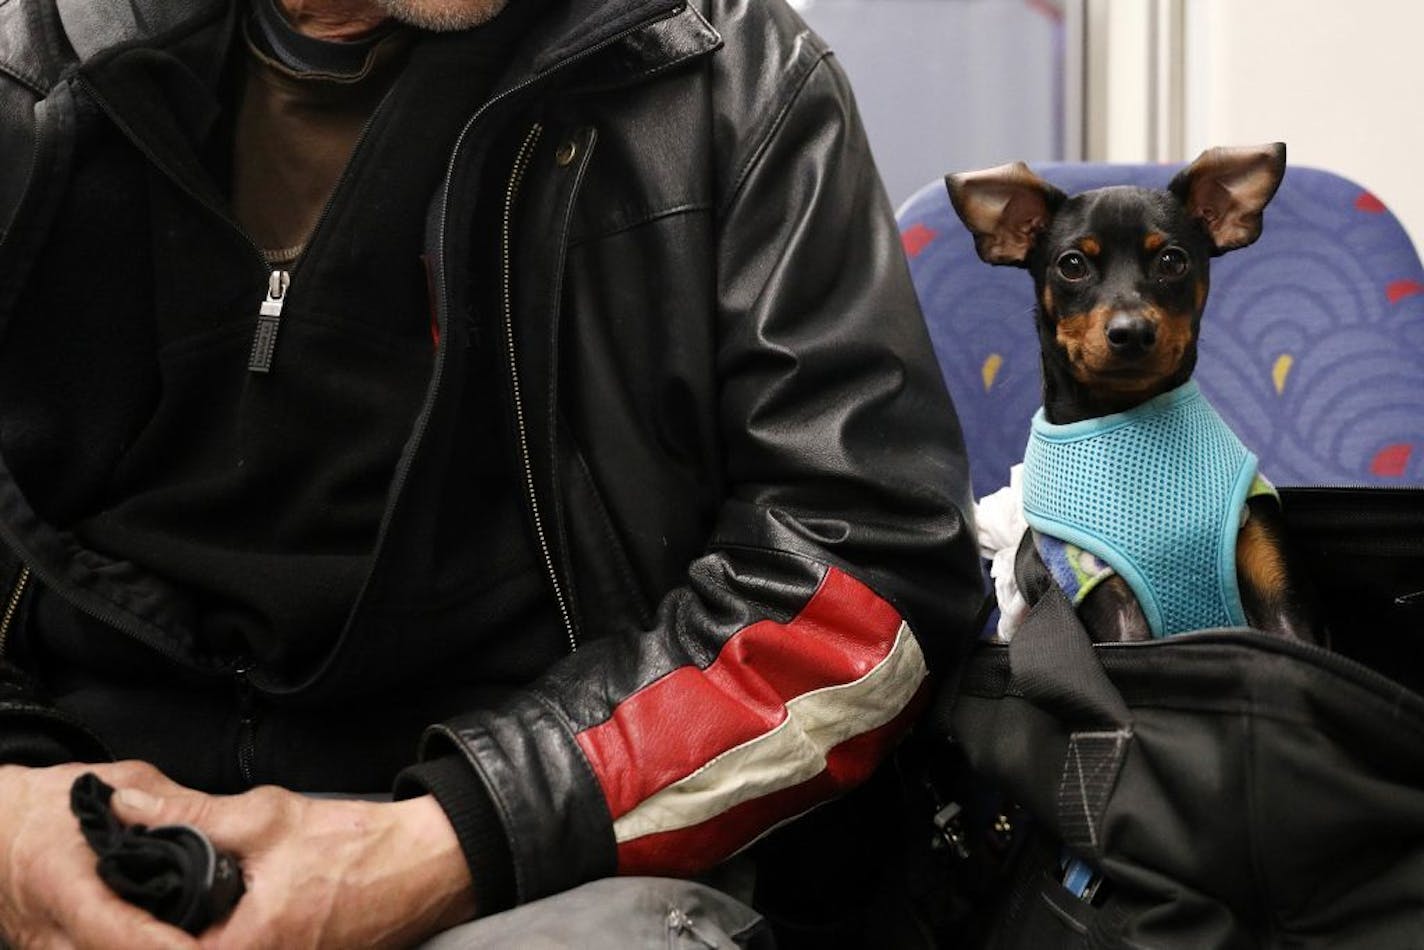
1220,788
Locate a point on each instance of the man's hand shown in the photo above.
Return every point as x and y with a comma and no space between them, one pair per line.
322,873
50,894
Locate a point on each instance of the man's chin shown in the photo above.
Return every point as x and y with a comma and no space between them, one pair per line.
443,15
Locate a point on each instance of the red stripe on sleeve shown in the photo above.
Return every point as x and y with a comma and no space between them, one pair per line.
690,851
675,725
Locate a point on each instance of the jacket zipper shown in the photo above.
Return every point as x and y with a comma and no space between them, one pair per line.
247,723
264,339
444,293
117,619
22,582
444,301
521,164
269,321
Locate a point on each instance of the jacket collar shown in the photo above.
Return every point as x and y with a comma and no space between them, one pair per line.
647,34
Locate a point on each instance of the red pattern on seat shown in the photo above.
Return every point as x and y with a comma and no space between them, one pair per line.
1392,461
916,238
1368,203
1399,289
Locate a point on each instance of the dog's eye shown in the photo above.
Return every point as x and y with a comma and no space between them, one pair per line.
1072,266
1173,262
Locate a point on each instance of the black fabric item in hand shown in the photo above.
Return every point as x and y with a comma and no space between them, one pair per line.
173,871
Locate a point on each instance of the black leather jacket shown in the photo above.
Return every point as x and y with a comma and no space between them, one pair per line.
742,470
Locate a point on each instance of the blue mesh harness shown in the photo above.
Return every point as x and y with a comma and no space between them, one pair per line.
1157,493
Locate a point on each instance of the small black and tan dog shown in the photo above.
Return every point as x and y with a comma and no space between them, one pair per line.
1121,278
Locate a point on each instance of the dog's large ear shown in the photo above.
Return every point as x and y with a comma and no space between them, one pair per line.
1005,208
1228,188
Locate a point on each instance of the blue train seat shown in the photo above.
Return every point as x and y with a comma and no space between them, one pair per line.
1312,346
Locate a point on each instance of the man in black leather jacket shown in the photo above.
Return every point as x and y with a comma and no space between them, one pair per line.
596,425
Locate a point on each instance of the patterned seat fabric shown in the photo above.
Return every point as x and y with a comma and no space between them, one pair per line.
1312,347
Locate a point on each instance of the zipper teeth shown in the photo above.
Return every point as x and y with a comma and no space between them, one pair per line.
247,722
341,179
21,583
1322,656
1342,488
521,163
1363,675
246,752
443,290
501,98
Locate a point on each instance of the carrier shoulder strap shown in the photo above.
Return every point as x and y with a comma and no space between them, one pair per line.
1054,665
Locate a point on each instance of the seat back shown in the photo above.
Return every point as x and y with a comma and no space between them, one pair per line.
1312,345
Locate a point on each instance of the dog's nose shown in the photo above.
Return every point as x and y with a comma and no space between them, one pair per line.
1131,334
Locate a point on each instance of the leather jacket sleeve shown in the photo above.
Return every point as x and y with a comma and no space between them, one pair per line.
841,571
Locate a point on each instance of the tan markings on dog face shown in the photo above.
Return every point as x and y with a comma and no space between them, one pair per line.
1084,339
1154,240
1174,336
1200,295
1090,246
1047,299
1259,565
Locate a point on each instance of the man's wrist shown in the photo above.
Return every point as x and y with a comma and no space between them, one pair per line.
469,809
423,829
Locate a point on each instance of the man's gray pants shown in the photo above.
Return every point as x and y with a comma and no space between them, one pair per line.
619,913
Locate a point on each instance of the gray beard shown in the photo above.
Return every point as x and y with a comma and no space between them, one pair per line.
443,15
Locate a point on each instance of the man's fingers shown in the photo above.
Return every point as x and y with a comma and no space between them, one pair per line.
99,918
234,823
140,931
134,774
180,807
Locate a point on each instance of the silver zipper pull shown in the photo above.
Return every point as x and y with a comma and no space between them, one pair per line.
269,319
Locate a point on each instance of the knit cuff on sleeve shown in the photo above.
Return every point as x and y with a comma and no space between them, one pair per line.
21,744
461,793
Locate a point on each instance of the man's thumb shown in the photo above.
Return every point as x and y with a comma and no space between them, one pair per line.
133,806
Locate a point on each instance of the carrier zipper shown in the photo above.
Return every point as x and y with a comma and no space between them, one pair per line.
1363,675
247,723
1319,507
679,924
22,582
269,321
521,164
